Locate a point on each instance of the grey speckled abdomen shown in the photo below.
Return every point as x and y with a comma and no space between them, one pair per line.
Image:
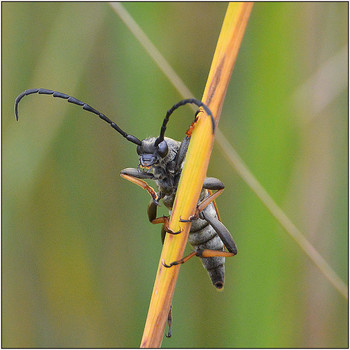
203,236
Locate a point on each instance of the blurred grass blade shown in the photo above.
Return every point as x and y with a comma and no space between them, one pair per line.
282,218
235,161
311,92
194,171
151,49
34,153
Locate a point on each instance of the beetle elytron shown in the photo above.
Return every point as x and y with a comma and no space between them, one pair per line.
161,159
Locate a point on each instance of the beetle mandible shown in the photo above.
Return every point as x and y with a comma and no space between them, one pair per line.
161,160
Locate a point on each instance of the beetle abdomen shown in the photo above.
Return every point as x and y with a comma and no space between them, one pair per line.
203,236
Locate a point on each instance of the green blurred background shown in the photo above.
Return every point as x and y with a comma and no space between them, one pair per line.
79,256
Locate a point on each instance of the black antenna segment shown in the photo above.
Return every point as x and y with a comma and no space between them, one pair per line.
85,106
176,106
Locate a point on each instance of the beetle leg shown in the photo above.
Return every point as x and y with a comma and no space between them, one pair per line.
181,261
210,253
211,183
165,221
129,174
181,153
152,206
202,253
222,232
203,204
142,184
152,217
162,234
133,172
218,226
191,127
170,321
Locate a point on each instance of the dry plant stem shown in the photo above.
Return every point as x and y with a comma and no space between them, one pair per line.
194,171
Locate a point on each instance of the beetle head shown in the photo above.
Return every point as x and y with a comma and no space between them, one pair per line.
151,154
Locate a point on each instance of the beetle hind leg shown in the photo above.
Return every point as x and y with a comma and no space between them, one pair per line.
201,253
211,183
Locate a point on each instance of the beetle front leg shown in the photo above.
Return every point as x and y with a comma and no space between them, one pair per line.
134,176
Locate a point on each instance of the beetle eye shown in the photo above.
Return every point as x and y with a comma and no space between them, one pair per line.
139,150
163,149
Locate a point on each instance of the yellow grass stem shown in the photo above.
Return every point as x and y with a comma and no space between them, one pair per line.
194,171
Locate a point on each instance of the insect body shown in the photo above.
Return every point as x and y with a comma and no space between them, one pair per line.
161,160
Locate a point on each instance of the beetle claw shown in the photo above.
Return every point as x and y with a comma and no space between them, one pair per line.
165,265
190,219
168,230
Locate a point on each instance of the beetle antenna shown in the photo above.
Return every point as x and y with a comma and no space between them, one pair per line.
176,106
85,106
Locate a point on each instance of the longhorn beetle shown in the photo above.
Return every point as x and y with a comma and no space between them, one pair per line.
161,159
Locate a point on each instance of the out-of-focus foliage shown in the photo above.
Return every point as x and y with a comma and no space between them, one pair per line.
79,256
